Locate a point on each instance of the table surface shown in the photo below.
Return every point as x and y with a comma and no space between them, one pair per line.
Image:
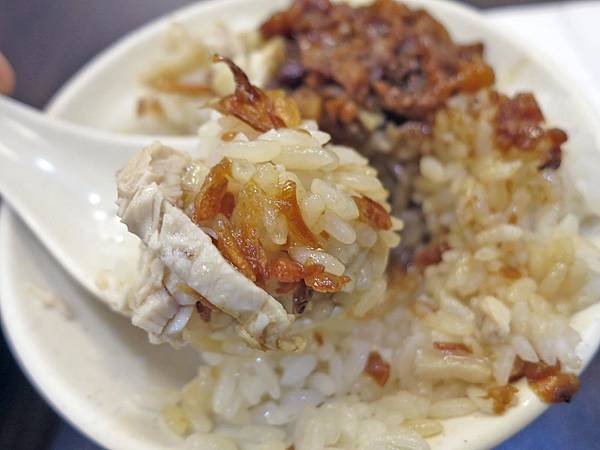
33,34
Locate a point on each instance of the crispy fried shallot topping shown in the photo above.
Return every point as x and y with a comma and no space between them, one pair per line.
314,276
261,110
517,370
172,86
237,223
539,370
227,204
502,397
372,213
383,57
209,200
318,280
298,231
555,386
247,217
203,305
510,272
286,270
228,245
554,156
548,382
318,338
377,368
430,254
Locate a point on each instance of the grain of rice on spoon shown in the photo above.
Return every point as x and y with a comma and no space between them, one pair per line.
275,225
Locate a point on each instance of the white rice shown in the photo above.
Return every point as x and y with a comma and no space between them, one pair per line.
496,211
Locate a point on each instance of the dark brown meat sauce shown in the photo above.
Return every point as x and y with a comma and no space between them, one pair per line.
374,77
383,58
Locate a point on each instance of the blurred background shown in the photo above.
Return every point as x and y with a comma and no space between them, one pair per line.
47,42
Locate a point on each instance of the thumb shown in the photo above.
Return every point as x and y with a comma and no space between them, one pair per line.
7,76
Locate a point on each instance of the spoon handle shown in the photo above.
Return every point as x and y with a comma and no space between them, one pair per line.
33,144
59,178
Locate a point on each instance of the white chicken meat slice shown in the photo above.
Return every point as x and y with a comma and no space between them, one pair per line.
148,194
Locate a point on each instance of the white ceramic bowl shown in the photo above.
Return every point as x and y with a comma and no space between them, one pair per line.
99,371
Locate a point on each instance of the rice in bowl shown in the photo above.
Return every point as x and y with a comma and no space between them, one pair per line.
493,304
492,267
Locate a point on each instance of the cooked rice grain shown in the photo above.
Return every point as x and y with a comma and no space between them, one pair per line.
511,272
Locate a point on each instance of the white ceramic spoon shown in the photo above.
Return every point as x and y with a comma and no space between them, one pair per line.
60,178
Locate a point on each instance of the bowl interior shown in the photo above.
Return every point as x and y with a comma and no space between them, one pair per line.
97,369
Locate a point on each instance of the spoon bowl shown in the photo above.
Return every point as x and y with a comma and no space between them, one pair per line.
59,178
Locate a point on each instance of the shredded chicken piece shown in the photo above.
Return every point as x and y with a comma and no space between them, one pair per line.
189,254
287,270
511,272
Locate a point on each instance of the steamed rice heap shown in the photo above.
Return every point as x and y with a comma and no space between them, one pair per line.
491,269
298,227
489,304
